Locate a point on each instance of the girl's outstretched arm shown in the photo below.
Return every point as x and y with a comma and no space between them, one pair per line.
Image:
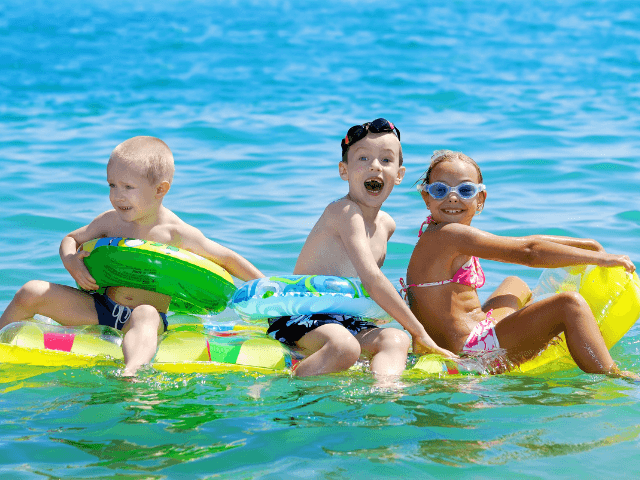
584,243
531,251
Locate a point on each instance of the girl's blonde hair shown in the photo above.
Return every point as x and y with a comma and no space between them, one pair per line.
440,156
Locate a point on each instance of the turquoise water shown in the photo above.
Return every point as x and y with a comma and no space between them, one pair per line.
253,98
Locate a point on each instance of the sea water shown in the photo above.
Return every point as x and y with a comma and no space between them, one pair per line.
254,98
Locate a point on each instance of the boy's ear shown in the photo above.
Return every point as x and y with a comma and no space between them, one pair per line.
400,175
342,167
162,189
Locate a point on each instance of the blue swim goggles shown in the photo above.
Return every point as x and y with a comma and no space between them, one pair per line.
439,190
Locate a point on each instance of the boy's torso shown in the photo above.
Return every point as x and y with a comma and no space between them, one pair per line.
166,228
324,252
170,230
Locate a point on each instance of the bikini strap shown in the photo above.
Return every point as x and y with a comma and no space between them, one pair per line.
405,289
428,221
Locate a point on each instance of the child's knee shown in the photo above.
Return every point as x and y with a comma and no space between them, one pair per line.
345,348
30,293
393,339
573,302
145,315
518,283
519,288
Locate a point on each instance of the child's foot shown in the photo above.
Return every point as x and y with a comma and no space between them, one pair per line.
616,372
129,372
389,383
630,375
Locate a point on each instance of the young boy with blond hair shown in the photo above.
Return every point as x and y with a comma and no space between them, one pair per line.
139,172
350,240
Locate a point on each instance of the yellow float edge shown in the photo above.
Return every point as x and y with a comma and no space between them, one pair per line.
14,354
214,367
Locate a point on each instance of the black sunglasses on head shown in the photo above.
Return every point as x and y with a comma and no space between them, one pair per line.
358,132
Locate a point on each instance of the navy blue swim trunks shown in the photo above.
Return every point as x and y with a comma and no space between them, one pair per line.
113,314
290,329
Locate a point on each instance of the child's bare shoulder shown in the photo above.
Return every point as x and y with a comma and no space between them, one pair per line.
106,217
338,206
386,222
459,232
342,209
105,224
180,233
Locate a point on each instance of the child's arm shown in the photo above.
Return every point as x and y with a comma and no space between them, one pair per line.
351,228
73,260
585,243
530,251
238,266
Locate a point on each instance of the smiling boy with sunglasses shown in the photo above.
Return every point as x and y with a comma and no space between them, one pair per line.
350,240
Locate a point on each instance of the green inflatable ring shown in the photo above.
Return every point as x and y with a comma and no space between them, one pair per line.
195,284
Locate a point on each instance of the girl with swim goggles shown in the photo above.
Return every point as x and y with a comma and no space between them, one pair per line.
439,190
444,273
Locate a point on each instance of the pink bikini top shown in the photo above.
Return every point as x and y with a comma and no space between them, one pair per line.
469,274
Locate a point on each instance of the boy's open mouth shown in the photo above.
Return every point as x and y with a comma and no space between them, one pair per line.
373,185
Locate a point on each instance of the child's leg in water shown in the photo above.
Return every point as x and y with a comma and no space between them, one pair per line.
388,349
330,348
512,294
526,331
140,340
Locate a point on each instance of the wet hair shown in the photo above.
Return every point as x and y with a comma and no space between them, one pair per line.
151,154
441,156
345,155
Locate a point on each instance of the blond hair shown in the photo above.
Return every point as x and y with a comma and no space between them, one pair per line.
440,156
150,154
